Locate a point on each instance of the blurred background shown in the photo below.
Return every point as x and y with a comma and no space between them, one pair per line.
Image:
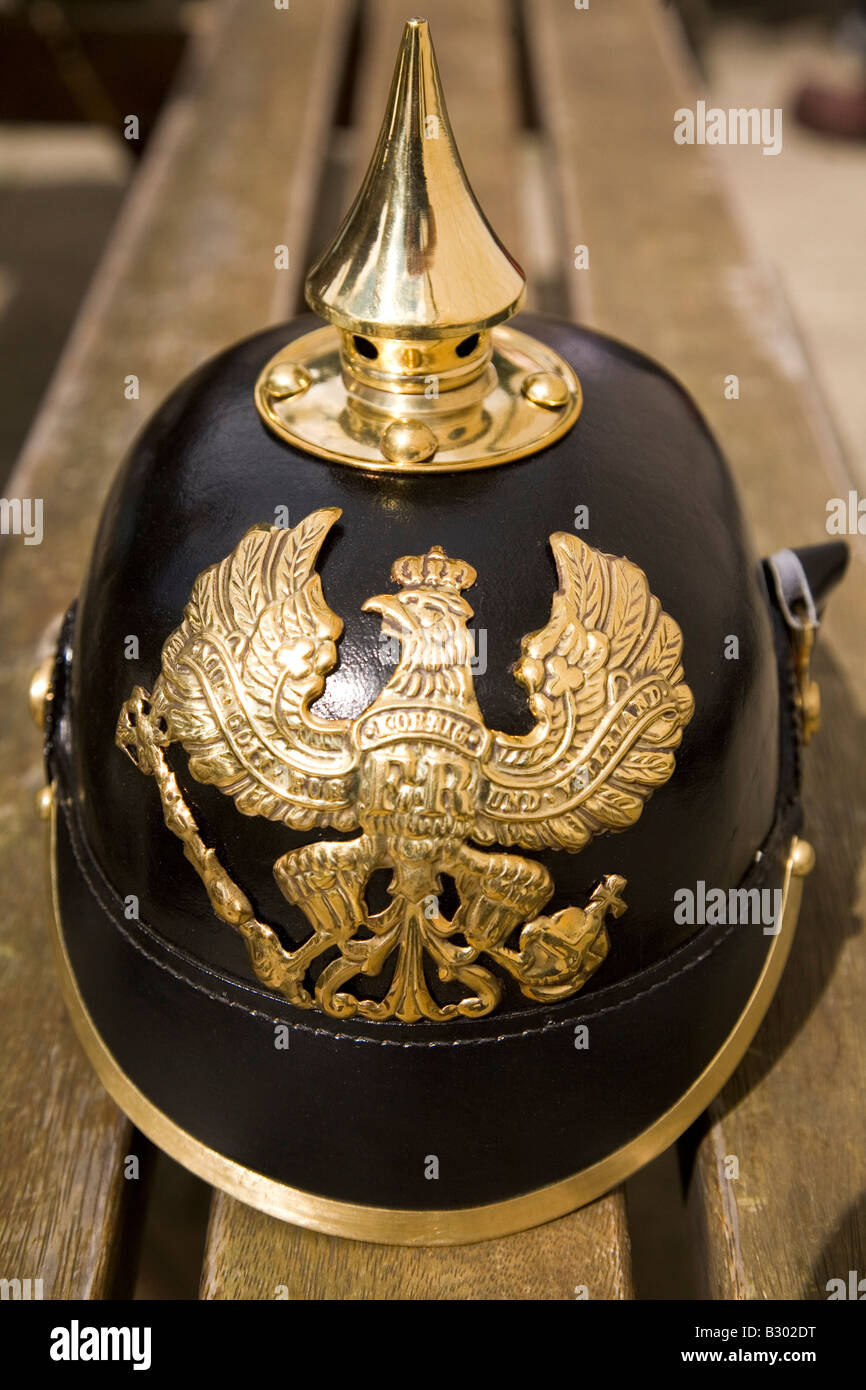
72,70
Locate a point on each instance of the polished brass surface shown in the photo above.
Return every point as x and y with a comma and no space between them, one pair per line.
415,256
416,286
547,389
476,424
285,379
801,860
454,1226
408,442
40,695
418,772
398,368
40,691
808,692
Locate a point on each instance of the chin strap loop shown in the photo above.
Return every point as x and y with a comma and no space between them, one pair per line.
797,603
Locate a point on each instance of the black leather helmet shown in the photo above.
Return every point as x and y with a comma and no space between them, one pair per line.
396,618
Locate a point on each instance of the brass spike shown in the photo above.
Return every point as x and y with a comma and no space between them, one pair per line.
417,372
415,256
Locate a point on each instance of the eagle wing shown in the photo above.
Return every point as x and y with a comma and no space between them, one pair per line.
605,683
239,674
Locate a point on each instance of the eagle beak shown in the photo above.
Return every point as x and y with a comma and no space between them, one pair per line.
396,620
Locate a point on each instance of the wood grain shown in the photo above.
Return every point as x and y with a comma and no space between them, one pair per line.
246,1250
230,173
670,272
584,1255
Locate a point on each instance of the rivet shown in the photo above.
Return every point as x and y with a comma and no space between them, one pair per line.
286,379
408,441
45,802
546,389
802,858
411,359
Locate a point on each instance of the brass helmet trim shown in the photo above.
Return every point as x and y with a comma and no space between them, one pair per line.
416,373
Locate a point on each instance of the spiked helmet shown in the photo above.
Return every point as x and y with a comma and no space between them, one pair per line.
433,820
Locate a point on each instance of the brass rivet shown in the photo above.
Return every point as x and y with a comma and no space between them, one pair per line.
802,858
286,380
546,389
44,802
408,441
40,691
411,359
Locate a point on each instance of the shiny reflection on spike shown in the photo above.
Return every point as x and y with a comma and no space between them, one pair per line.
416,371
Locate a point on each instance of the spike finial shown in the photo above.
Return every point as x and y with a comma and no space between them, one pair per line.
415,256
416,370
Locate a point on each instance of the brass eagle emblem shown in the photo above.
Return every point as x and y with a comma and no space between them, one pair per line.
419,774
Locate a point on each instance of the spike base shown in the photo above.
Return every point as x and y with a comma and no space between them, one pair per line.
306,397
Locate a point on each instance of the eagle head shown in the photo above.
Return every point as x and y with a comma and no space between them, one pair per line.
428,616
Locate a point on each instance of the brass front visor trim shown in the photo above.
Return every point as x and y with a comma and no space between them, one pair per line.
403,1227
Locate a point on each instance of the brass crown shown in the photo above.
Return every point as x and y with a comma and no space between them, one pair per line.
433,571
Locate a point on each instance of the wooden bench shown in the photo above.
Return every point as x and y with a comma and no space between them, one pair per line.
233,171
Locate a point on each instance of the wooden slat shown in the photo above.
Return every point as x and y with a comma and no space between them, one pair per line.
585,1255
475,60
670,272
231,173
